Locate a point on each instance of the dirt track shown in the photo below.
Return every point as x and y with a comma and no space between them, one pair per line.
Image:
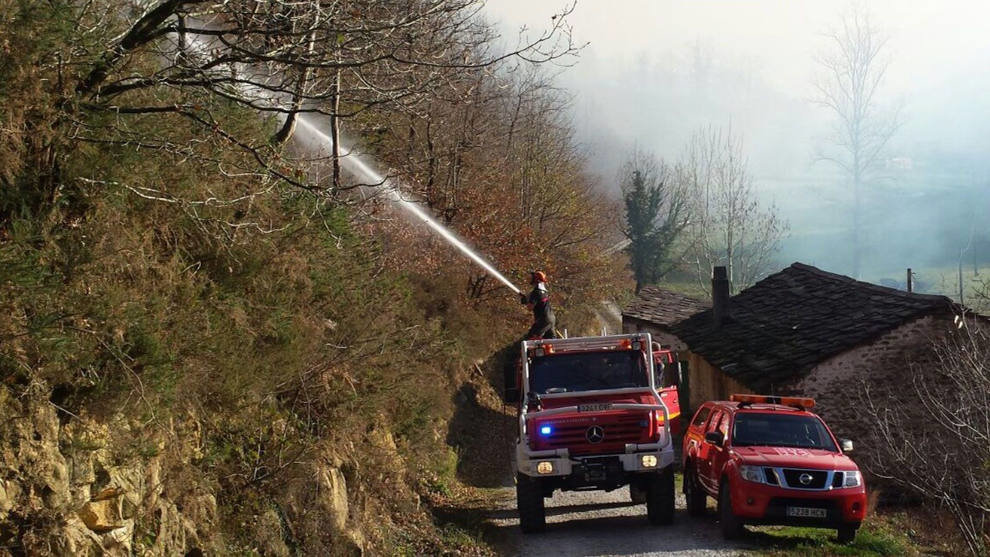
597,523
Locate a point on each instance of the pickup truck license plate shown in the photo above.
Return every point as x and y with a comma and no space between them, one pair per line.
594,407
806,512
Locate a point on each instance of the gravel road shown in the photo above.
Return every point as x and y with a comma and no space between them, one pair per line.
597,523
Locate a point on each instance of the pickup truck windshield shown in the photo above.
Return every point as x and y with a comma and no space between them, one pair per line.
781,430
588,371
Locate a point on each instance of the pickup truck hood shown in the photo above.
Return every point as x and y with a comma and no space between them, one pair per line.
787,457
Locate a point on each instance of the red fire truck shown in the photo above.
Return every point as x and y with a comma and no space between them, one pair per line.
591,417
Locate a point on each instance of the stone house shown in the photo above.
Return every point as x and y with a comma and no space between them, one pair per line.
808,332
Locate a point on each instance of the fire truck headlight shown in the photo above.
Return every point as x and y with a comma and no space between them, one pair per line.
852,479
544,467
751,473
648,461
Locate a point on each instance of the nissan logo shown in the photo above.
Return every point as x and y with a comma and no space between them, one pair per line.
805,479
595,434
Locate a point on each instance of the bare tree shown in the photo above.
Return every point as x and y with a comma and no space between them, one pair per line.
853,69
934,441
199,64
728,225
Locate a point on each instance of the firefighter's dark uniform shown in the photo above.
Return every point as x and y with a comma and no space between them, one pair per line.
543,318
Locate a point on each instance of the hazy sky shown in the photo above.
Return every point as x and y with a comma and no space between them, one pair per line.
939,52
657,71
931,38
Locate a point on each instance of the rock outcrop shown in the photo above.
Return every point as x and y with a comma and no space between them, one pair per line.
80,486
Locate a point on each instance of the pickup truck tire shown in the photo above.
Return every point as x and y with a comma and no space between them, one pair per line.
846,534
660,497
529,501
731,526
693,493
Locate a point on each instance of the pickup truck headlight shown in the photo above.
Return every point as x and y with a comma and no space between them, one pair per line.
852,479
752,473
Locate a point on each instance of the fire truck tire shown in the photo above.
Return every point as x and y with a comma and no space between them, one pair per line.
732,527
660,498
846,534
693,493
529,501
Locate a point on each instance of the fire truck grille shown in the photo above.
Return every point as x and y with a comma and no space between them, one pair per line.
805,479
609,432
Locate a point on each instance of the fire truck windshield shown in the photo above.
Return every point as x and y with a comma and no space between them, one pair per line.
780,430
588,371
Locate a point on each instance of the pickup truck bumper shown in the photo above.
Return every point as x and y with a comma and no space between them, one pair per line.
763,504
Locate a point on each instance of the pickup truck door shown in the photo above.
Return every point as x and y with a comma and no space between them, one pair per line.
719,455
704,461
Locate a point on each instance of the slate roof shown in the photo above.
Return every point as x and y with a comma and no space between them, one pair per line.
663,307
787,323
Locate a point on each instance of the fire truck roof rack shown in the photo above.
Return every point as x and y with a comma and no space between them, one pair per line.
613,342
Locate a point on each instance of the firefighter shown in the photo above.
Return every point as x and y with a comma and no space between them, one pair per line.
539,301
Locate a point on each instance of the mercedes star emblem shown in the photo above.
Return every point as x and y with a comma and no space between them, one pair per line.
805,479
595,434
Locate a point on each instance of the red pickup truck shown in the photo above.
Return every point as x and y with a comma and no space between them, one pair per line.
769,460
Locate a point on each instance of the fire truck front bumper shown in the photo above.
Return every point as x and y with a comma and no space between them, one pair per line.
637,458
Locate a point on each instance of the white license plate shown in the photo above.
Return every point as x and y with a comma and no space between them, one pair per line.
594,407
806,512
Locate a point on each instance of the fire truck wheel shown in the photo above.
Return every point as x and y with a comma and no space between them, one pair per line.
660,498
529,501
693,493
732,527
847,534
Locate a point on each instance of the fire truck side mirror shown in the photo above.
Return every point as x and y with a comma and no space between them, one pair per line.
511,395
846,445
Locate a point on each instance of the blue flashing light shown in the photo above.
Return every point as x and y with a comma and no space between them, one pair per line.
546,430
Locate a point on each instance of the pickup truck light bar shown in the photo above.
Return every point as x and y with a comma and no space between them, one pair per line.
801,403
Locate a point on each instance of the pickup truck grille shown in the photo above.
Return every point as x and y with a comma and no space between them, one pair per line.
814,479
617,431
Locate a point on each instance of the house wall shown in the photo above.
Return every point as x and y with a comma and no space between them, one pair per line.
706,382
659,334
840,384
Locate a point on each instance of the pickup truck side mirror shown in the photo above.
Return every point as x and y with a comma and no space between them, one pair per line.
846,445
715,438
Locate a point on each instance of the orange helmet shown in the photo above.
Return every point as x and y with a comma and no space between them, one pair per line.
537,276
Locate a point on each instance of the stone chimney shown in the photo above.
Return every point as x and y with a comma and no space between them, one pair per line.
720,296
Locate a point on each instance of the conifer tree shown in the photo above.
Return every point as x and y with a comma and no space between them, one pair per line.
656,214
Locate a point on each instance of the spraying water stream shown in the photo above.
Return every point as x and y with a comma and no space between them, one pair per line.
357,166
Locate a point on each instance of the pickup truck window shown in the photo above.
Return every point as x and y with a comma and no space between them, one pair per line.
701,416
781,430
713,423
588,371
